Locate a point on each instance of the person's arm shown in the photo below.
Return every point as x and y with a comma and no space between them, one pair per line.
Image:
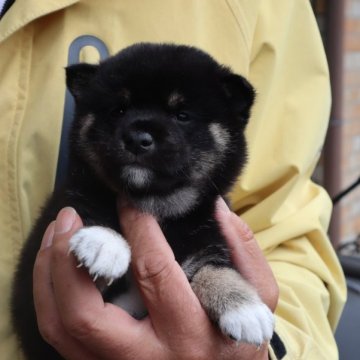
82,326
276,197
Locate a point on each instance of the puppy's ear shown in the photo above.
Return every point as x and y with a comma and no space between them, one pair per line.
78,77
241,93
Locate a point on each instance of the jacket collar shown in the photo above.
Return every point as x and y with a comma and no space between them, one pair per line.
23,12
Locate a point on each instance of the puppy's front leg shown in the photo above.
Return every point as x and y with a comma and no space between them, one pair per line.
233,304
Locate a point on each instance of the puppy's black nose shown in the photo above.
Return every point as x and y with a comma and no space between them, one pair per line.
138,142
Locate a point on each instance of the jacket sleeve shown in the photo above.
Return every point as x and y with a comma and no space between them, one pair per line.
288,213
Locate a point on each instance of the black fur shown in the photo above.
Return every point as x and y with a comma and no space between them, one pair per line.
149,105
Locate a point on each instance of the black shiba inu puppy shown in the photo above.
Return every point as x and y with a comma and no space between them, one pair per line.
163,127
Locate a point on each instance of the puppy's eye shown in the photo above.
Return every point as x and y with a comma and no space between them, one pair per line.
183,117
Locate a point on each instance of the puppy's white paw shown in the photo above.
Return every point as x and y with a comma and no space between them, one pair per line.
252,323
103,251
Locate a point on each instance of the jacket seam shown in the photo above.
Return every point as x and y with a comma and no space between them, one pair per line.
13,144
241,22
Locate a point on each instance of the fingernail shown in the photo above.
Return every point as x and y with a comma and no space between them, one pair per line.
222,206
65,220
245,231
48,236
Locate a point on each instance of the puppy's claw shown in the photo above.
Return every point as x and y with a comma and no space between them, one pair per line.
80,265
110,282
95,277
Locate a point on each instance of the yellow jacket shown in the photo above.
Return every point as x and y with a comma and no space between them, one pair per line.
275,43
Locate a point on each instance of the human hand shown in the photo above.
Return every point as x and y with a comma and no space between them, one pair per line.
247,255
82,326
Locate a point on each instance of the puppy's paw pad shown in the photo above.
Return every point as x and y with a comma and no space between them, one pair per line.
103,251
250,323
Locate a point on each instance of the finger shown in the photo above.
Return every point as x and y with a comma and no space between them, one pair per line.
66,277
83,312
167,293
49,322
246,254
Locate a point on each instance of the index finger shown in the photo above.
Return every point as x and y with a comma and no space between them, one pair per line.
166,291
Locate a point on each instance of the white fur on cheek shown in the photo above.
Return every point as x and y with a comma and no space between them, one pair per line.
86,123
251,323
220,136
103,251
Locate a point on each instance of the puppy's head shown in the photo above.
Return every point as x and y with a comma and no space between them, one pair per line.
163,124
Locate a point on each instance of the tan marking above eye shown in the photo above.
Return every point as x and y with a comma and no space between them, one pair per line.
175,99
